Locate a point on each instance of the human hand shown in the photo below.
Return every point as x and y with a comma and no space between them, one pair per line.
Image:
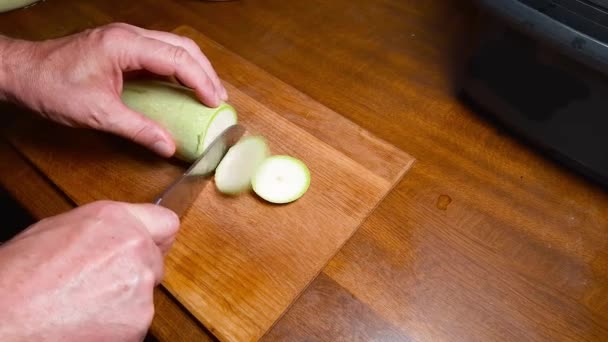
86,275
77,80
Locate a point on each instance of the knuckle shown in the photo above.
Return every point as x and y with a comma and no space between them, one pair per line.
138,245
99,115
130,282
109,36
98,119
148,279
89,31
119,25
190,43
179,55
115,32
140,131
208,82
106,209
112,215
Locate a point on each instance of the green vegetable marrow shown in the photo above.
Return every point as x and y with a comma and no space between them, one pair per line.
176,108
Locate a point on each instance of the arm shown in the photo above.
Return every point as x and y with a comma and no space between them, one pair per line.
86,275
89,274
77,80
5,66
15,64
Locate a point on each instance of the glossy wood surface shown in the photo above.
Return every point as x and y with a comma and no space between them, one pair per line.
238,262
484,239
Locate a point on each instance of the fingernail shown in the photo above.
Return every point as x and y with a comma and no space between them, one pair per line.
224,94
162,148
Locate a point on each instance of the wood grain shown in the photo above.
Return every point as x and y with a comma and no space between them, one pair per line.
30,187
518,252
27,185
328,312
355,142
508,285
238,262
172,322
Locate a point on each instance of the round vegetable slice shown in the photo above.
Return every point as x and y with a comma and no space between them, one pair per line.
192,125
281,179
9,5
233,174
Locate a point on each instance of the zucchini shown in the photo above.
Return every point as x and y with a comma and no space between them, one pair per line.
192,125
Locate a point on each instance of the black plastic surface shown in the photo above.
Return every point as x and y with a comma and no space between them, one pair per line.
553,101
582,16
575,27
599,3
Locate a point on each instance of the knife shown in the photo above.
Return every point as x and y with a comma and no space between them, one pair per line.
182,193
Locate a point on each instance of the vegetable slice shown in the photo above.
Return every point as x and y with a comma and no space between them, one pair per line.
192,125
281,179
9,5
233,174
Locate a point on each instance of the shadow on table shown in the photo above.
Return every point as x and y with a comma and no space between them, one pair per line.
14,217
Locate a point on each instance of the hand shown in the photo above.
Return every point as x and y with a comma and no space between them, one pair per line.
86,275
77,80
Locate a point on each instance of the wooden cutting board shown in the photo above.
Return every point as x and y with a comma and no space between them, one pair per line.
238,262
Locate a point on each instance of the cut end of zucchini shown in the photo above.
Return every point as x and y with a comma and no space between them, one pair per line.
281,179
223,118
233,174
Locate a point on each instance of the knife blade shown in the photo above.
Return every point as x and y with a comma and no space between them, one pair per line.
182,193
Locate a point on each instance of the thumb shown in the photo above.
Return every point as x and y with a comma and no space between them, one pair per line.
140,129
160,222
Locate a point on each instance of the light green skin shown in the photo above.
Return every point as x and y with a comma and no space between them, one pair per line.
296,196
175,108
9,5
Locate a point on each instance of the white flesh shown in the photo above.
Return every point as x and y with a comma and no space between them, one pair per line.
223,119
281,179
233,174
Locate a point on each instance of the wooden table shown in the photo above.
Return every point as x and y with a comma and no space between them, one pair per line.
483,239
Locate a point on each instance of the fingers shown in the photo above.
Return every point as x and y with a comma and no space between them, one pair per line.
134,49
154,261
160,222
192,49
171,60
157,226
138,128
